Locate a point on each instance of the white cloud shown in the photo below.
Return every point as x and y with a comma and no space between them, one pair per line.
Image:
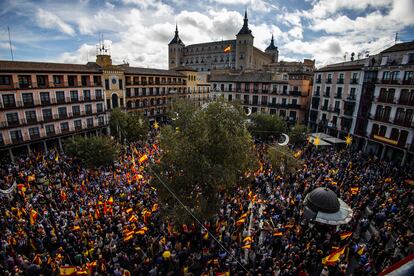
48,20
255,5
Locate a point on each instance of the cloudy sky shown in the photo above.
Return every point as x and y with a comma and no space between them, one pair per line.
139,30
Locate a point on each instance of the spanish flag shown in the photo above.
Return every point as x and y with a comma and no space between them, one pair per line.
154,207
247,239
67,270
33,216
345,235
205,236
143,158
354,190
243,216
227,49
240,222
133,218
333,258
75,228
297,154
247,246
277,234
129,210
31,178
111,200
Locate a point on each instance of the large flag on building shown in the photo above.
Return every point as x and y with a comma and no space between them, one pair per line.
227,49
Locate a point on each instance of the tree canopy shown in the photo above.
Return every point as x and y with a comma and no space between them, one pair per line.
128,125
283,159
264,125
205,152
94,151
298,134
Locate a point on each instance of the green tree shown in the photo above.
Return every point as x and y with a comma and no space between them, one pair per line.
283,160
264,125
130,126
205,152
298,133
94,151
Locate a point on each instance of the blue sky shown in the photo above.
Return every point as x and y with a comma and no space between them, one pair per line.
138,31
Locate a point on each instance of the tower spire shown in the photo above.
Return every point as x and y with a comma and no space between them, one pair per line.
245,29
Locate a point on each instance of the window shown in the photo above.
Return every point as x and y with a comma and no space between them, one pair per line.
341,76
85,80
106,84
74,96
76,110
31,116
97,80
60,96
408,75
27,99
44,98
284,101
72,80
89,122
34,132
86,95
120,84
8,100
101,120
12,118
77,124
395,75
5,80
47,114
62,112
16,136
58,79
339,92
395,133
64,127
386,75
88,109
50,129
99,107
337,103
352,93
24,81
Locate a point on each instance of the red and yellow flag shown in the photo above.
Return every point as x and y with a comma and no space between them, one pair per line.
345,235
227,49
33,216
333,258
143,158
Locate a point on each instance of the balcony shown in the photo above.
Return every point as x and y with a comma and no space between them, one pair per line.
328,81
88,112
354,81
405,101
295,93
338,96
50,132
13,123
9,105
380,118
16,140
403,123
28,103
348,112
47,118
25,85
101,123
324,107
390,81
31,120
74,100
318,81
63,116
78,127
317,94
61,100
327,95
64,130
408,82
34,136
382,99
350,99
384,139
340,81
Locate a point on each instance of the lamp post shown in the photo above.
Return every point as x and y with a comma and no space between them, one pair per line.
42,185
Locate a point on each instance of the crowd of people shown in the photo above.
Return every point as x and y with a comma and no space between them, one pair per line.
107,221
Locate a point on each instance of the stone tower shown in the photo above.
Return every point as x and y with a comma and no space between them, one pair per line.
175,51
244,46
272,51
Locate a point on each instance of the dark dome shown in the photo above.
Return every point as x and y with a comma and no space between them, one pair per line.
322,200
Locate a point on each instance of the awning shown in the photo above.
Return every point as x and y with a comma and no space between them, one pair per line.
333,140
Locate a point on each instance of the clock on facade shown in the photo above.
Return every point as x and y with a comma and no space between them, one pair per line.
114,81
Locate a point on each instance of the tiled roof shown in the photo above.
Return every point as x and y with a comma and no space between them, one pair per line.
406,46
29,66
344,66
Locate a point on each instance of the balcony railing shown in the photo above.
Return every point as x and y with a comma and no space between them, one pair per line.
328,80
340,81
405,101
404,123
35,85
295,93
382,99
350,99
318,81
326,95
338,96
354,81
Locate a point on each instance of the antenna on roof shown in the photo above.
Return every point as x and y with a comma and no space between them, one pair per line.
396,38
11,48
